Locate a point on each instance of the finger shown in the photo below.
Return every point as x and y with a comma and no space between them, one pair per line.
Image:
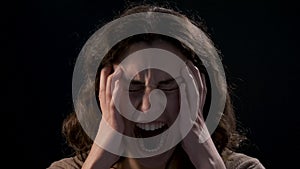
115,83
192,91
108,92
195,71
110,85
115,101
116,76
118,98
204,91
102,85
185,117
115,95
201,83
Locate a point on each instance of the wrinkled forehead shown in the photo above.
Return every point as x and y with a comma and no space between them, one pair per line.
156,59
159,44
152,76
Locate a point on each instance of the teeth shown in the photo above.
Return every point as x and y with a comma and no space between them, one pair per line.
151,144
150,126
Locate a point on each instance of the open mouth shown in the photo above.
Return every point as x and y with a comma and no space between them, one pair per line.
147,132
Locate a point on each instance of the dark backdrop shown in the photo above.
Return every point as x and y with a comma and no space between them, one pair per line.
257,40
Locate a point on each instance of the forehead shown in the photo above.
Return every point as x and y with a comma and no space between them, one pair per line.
160,44
152,75
158,52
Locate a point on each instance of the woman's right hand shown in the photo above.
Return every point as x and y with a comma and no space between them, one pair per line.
109,91
112,121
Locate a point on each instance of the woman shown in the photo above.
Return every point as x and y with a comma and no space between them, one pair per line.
195,148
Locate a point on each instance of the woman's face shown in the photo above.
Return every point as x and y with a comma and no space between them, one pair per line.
142,84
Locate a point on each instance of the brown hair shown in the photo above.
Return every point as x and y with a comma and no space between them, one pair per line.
225,135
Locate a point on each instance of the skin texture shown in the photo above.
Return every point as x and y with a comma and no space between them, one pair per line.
202,155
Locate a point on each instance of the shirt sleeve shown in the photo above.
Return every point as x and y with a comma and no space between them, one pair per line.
251,163
66,163
242,161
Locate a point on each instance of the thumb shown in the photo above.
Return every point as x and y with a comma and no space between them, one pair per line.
185,116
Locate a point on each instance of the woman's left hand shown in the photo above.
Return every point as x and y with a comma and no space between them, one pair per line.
197,143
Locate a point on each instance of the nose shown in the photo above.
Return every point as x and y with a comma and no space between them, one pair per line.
145,102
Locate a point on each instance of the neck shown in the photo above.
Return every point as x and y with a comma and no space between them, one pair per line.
162,161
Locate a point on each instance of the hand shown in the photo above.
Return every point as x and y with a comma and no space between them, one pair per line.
197,144
111,122
109,91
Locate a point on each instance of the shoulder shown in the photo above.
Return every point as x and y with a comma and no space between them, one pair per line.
234,160
67,163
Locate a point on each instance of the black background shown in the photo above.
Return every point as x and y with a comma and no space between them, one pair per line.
257,41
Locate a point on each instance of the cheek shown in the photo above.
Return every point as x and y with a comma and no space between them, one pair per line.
135,98
173,104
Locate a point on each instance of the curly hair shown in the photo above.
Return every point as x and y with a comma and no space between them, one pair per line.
225,135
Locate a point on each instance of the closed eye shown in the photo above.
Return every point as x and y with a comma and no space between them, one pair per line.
136,86
168,88
168,85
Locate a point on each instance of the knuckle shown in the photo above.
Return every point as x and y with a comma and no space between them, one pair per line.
110,77
101,92
112,105
108,95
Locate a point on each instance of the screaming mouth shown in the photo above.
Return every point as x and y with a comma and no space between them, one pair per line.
147,132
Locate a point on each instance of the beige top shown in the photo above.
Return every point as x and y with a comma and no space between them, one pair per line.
232,160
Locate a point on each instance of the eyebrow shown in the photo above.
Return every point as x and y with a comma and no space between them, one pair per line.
138,82
167,81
